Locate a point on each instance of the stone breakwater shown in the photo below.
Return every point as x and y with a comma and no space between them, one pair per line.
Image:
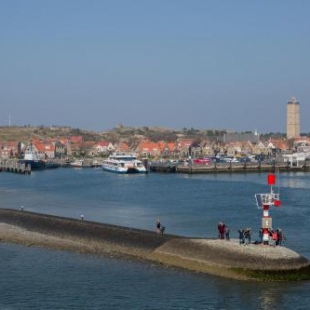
212,256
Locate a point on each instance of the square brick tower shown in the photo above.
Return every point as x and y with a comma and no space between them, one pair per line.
292,119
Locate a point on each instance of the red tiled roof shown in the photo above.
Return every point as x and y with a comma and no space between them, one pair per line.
76,139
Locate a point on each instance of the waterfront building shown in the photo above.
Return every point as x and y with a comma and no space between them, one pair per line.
293,119
9,149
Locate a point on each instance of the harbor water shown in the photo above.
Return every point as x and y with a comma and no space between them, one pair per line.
187,205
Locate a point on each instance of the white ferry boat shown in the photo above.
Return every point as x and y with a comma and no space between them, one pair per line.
123,163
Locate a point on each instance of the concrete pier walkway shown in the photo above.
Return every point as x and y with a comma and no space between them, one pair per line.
218,257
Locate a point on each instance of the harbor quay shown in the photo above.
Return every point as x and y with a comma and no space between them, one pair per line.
229,259
14,166
226,167
11,165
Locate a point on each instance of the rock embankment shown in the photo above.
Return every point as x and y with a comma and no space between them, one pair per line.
218,257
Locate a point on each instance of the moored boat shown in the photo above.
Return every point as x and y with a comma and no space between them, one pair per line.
32,159
79,163
123,163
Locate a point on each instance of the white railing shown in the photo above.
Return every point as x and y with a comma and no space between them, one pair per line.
266,199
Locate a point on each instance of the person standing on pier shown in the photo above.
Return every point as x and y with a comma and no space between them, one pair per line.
221,229
280,237
227,231
241,236
260,235
158,225
247,236
159,228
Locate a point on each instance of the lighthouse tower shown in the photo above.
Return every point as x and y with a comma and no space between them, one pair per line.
293,119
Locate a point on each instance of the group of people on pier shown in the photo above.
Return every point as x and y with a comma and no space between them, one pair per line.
245,236
276,237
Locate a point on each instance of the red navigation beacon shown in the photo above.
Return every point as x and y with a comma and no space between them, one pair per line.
271,179
264,201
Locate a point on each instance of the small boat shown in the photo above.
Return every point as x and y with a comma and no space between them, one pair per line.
79,163
123,163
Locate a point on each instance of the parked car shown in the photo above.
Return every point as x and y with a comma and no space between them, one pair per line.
202,161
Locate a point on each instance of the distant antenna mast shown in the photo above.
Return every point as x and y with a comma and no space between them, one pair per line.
9,120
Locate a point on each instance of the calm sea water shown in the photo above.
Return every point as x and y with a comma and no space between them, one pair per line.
34,278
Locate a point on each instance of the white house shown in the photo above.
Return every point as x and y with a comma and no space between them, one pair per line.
103,147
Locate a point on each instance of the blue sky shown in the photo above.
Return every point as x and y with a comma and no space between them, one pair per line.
209,64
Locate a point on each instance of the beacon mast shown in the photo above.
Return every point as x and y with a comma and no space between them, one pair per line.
264,201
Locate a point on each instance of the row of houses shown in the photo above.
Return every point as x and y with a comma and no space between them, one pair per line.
57,148
75,147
